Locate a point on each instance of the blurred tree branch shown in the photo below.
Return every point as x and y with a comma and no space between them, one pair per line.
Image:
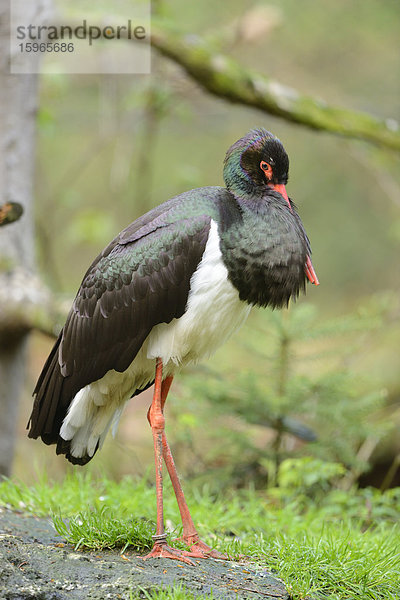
224,77
10,212
27,304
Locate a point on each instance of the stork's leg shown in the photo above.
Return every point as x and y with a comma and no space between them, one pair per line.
157,422
198,548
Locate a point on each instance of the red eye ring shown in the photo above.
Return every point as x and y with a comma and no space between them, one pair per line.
266,167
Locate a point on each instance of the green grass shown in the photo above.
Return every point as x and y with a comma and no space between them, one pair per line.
342,546
100,529
177,593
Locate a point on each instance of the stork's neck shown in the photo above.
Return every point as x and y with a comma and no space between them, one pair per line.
265,250
238,181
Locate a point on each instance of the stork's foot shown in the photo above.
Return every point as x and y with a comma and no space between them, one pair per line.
162,550
199,549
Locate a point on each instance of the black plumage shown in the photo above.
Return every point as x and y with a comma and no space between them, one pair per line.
104,329
143,277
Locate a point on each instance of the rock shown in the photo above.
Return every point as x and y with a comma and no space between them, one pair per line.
34,565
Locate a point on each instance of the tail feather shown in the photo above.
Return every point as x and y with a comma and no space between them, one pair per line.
52,400
64,447
42,421
54,392
54,395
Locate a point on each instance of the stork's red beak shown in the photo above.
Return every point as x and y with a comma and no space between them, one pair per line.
311,274
308,267
281,189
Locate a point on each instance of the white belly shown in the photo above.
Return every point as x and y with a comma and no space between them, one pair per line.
213,313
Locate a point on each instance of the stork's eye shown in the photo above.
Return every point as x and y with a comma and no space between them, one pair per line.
264,166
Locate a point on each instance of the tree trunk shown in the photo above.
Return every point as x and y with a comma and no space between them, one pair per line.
18,102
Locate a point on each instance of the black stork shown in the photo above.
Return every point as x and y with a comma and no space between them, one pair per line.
165,293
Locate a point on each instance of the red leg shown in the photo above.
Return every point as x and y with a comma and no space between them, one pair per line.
198,548
157,423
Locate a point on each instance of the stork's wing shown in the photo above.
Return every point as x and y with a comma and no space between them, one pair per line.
137,285
140,280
